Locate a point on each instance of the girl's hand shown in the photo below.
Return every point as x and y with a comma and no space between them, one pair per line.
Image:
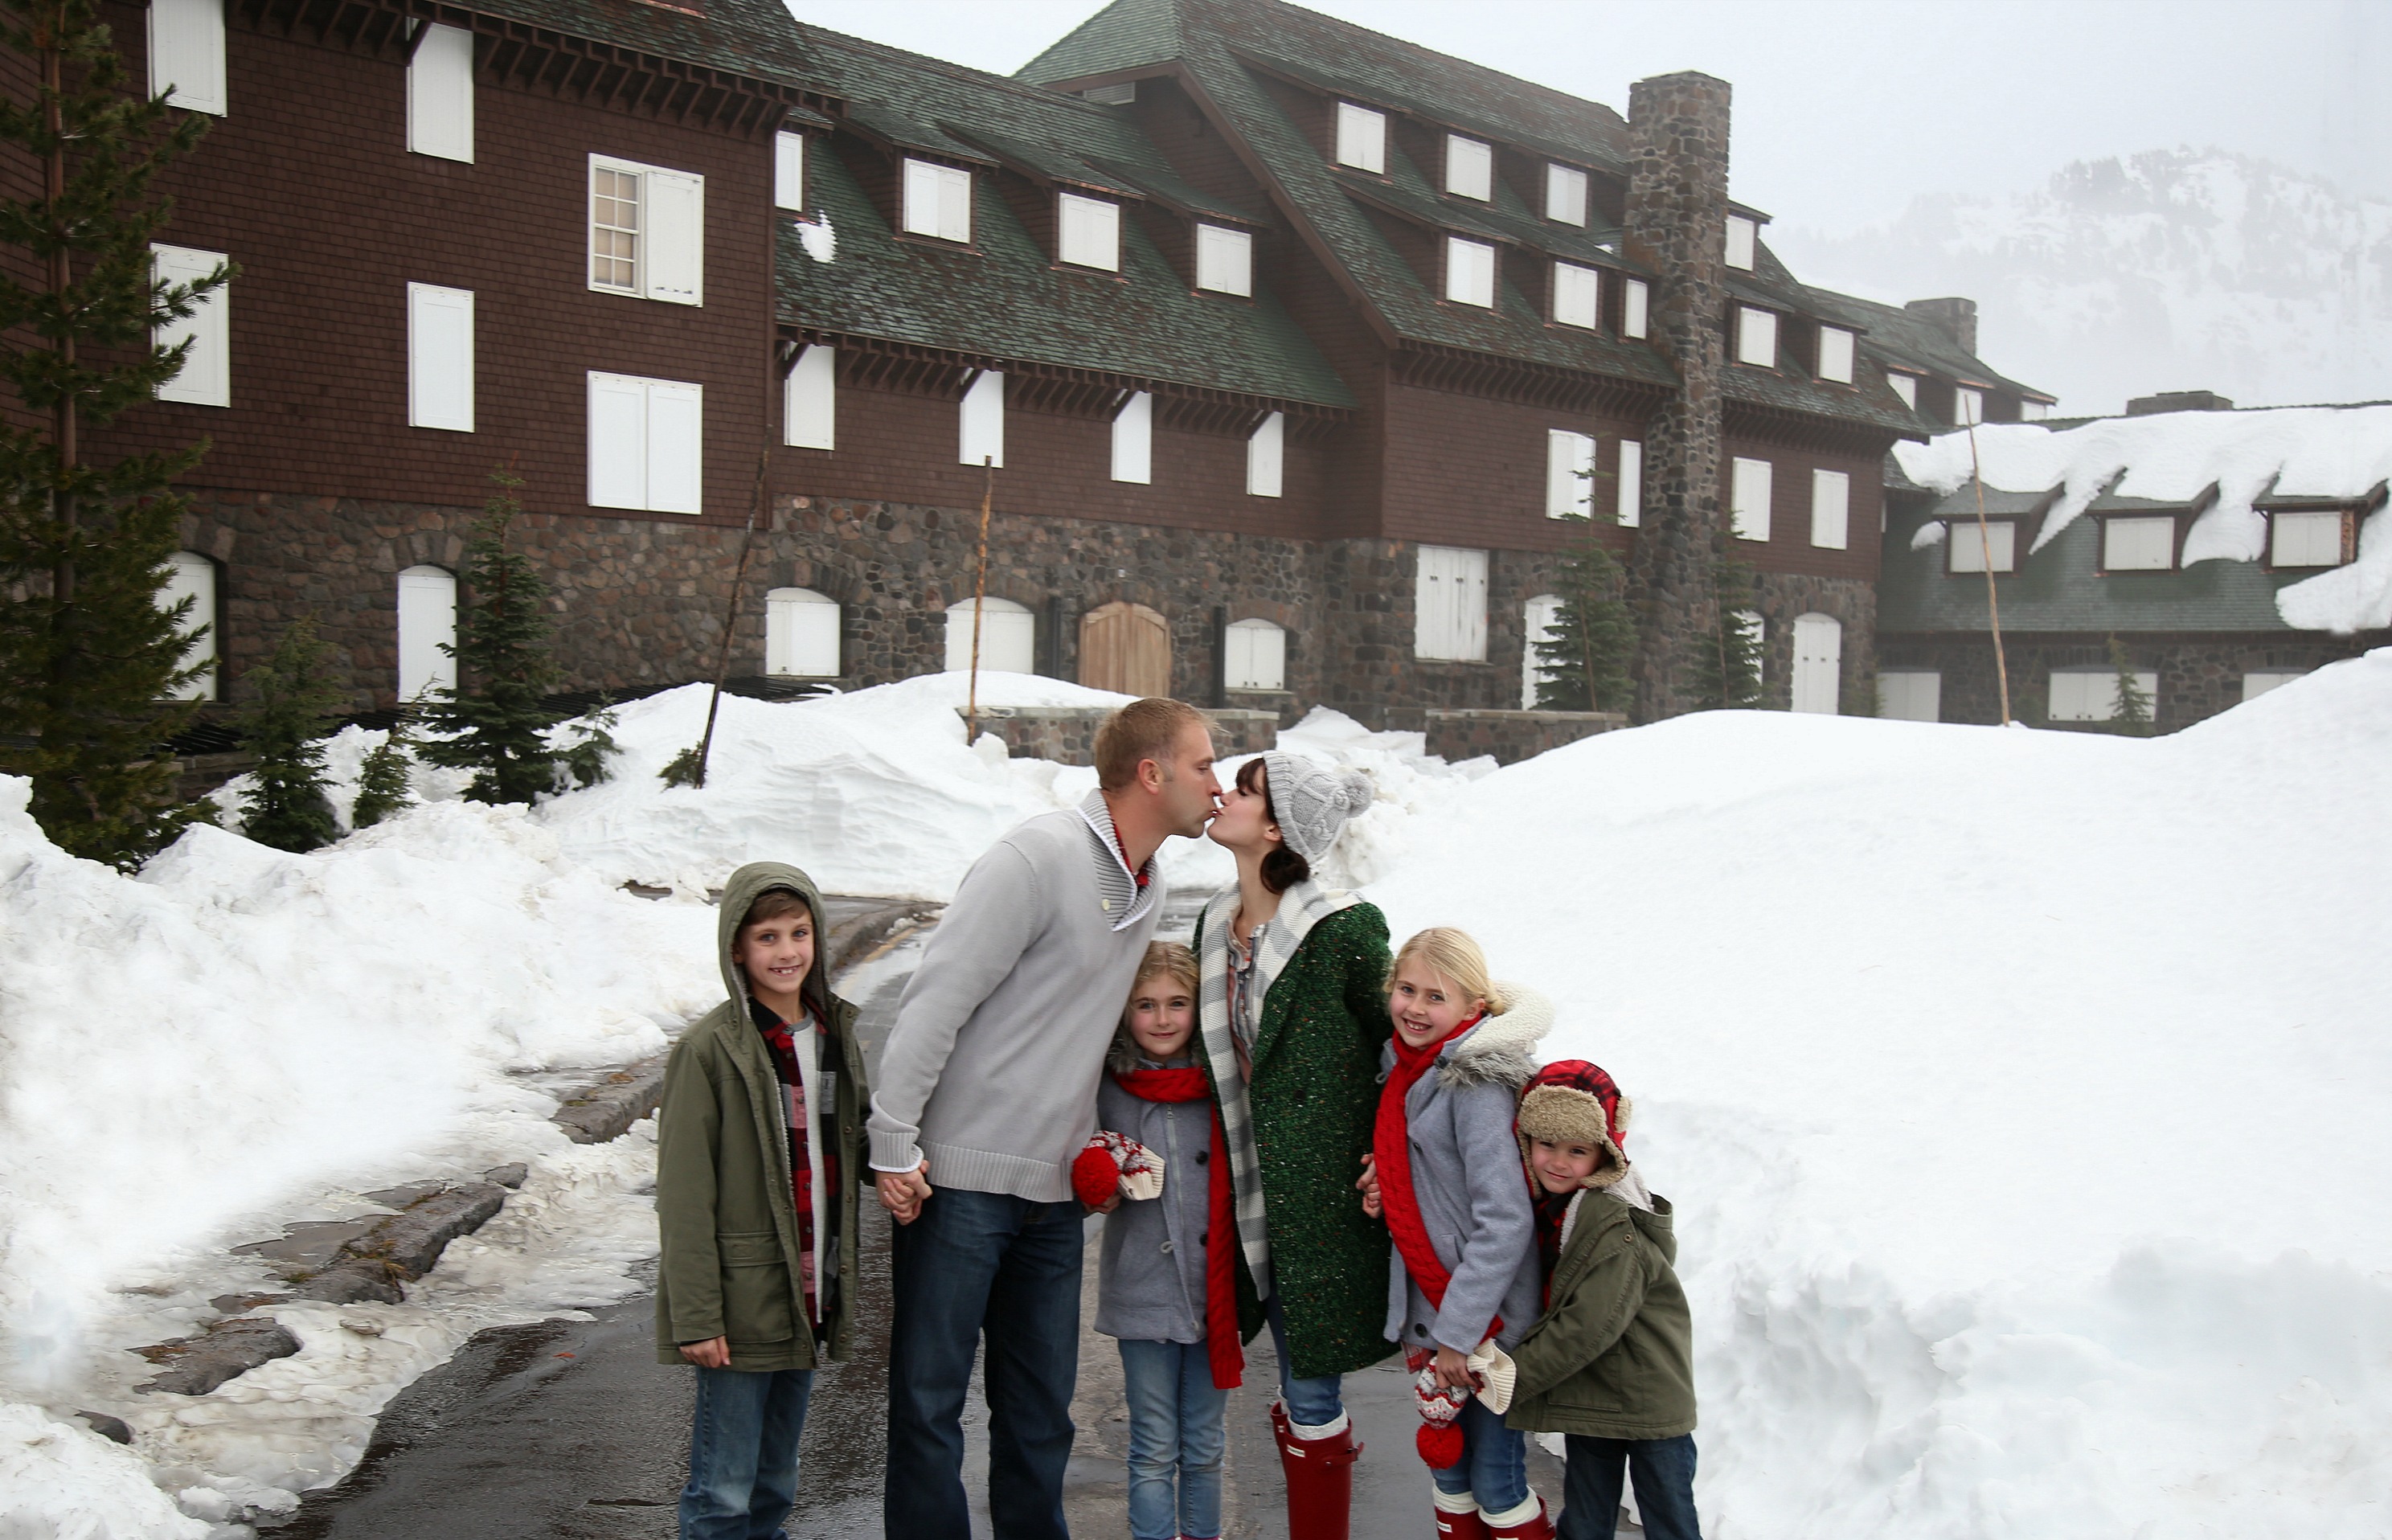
1370,1186
1453,1371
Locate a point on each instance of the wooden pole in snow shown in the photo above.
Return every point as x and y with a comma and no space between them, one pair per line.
1993,605
980,600
730,620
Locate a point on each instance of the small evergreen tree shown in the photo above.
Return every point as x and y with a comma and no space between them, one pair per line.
87,657
2134,714
382,786
287,712
493,724
1727,672
1583,658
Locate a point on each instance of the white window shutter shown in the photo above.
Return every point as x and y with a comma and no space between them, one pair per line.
1469,272
1756,336
619,441
193,577
921,216
1537,617
810,400
954,204
206,377
1909,695
789,171
1361,138
1565,194
676,446
1265,452
2139,544
187,52
1832,496
427,621
1635,294
1090,231
801,633
1967,405
1449,599
1578,296
439,357
1224,260
982,421
1742,235
1254,656
1469,168
1836,355
1569,473
1631,483
1008,637
440,93
2305,539
1969,547
1905,387
675,258
1133,439
1753,483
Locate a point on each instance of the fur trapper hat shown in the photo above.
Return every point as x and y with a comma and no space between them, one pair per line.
1572,1101
1313,801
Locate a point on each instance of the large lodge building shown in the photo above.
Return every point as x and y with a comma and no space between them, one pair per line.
1277,345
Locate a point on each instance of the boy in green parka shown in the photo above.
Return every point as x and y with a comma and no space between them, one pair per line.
1610,1363
758,1149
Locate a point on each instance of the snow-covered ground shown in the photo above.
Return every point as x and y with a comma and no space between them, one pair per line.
2022,1092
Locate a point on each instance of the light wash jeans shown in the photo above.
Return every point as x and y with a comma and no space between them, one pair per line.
1312,1402
1494,1466
1177,1425
743,1452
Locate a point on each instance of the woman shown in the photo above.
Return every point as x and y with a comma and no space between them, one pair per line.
1292,1013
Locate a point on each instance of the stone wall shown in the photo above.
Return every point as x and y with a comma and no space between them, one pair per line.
1509,736
1067,734
1784,596
2200,676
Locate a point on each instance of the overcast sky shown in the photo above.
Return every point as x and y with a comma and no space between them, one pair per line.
1846,109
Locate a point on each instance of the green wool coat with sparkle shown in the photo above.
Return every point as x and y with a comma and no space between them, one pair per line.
1314,1096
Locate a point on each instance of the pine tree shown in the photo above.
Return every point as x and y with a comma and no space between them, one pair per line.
2134,714
87,657
382,786
1727,672
1584,658
287,712
493,724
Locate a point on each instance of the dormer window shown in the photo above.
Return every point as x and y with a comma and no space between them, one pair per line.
1967,405
1756,336
1743,236
2307,539
1090,231
1469,168
1469,272
1635,298
1905,387
1578,296
1224,260
938,202
789,172
1565,194
1361,138
1968,549
1836,355
2142,544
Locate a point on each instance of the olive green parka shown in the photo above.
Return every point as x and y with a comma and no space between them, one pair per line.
1613,1355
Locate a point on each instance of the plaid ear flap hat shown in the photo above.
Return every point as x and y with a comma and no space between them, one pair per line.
1572,1101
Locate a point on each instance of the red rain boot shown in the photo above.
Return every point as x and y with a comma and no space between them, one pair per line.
1319,1479
1537,1526
1451,1525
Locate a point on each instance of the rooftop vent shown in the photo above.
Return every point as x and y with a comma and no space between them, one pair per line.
1120,94
2177,400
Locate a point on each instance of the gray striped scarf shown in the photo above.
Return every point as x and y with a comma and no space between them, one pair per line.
1301,907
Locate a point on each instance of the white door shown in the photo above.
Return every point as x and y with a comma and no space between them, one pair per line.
1818,663
193,577
1537,620
801,633
1009,636
427,621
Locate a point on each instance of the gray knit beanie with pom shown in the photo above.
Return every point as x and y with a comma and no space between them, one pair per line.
1313,801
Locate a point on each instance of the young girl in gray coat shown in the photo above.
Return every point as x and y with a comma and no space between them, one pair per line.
1446,1173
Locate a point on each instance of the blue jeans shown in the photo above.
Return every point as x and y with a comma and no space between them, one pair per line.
979,1265
1177,1425
743,1452
1313,1402
1664,1471
1494,1466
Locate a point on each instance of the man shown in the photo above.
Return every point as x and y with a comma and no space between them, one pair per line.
987,1090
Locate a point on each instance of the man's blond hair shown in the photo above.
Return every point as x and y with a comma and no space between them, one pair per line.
1142,730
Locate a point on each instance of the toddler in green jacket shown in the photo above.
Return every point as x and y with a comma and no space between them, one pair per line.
1610,1363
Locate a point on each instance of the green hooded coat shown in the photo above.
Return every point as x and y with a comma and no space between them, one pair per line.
725,1214
1613,1356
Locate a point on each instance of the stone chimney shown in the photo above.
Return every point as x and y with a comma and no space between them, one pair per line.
1957,317
1677,226
2177,400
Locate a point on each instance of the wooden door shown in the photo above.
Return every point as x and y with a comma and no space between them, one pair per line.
1125,648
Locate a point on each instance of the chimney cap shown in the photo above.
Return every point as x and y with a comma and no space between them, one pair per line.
2177,400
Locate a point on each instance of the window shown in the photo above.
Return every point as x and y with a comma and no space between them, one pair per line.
2259,683
1120,94
439,357
1966,550
938,201
1742,236
1756,336
1967,405
2034,411
1133,438
1469,168
2091,694
187,53
1266,451
981,436
193,577
1631,484
1818,664
810,400
647,231
1634,294
801,633
1537,617
2304,539
1565,194
1578,295
1469,272
1905,387
646,443
1749,498
789,172
440,95
1008,637
1254,656
1091,231
1836,355
1831,501
206,377
1910,694
427,621
2137,544
1361,138
1224,260
1569,473
1449,604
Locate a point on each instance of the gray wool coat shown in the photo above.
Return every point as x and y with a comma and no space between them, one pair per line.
1150,1266
1472,1193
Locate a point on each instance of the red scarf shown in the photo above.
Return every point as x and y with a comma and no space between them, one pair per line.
1393,1154
1221,1344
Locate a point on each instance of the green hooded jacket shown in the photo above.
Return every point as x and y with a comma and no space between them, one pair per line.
725,1216
1613,1356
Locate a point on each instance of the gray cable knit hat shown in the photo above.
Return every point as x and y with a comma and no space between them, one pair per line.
1313,801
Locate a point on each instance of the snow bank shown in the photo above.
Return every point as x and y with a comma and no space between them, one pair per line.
2022,1095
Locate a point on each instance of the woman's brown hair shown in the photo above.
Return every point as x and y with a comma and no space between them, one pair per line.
1282,869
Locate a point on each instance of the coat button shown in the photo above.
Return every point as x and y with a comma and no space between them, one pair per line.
1420,1331
1203,1157
1166,1245
1204,1239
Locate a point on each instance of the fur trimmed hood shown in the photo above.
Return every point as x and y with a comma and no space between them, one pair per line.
1501,1050
1572,1101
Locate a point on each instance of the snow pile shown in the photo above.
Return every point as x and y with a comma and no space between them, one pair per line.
2022,1095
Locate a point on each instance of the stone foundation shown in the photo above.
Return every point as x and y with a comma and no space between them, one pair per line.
2200,676
1509,737
1067,734
1784,596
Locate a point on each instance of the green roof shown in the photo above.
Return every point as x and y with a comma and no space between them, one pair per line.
755,38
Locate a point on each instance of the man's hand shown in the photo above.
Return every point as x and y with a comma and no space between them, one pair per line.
1370,1186
1453,1371
901,1192
713,1353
